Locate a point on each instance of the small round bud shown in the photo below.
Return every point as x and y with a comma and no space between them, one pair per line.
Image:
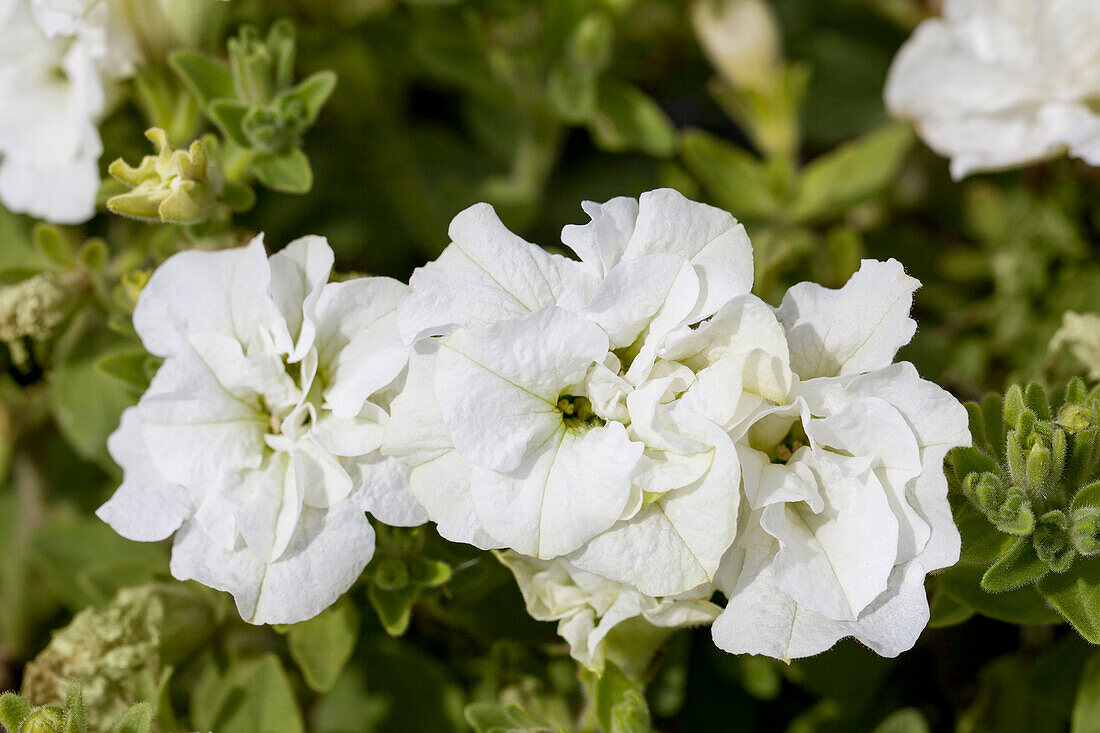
44,720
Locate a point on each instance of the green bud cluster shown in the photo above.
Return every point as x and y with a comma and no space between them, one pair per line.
255,102
399,574
1034,472
173,186
19,716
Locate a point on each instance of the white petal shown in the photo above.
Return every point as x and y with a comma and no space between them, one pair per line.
856,328
197,292
498,387
298,272
146,507
486,274
601,242
270,517
838,560
382,488
326,553
62,194
709,238
565,492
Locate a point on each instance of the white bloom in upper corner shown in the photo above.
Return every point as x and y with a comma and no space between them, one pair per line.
845,481
545,418
258,437
741,39
56,82
603,620
1080,333
999,83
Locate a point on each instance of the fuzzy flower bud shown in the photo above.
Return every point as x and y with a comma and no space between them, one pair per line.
44,720
111,649
33,307
173,186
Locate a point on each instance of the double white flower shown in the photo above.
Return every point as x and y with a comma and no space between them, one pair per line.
258,437
999,83
59,63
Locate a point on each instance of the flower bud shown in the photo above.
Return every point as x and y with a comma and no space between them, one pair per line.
1052,541
33,307
1085,530
44,720
1038,466
1074,417
741,39
173,186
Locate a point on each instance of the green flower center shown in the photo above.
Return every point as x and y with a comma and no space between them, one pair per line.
577,413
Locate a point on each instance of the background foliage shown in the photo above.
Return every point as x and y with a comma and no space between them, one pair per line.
535,106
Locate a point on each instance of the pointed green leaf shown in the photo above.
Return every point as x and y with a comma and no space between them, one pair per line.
128,366
138,719
1087,496
251,697
311,94
976,423
735,179
13,711
1076,595
834,182
1036,399
1021,606
427,573
53,243
627,119
1018,567
394,607
945,611
206,78
74,709
966,461
228,115
982,543
619,700
322,645
287,172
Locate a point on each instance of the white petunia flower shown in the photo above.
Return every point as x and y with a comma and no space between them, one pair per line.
999,83
545,419
602,620
844,479
57,78
258,438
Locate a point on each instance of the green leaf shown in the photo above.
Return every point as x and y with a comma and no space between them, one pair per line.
311,94
93,254
138,719
206,78
1087,496
228,115
488,717
619,701
74,709
128,366
627,119
966,461
53,243
573,93
394,607
735,179
1086,709
251,697
982,543
1076,595
1018,567
836,181
287,172
1020,606
13,710
906,720
323,645
945,611
427,573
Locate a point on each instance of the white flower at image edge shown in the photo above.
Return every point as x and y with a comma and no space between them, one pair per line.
999,83
538,414
257,440
58,68
845,482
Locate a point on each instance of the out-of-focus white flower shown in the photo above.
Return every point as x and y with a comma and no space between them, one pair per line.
741,39
844,480
56,78
544,419
602,620
999,83
258,437
1080,333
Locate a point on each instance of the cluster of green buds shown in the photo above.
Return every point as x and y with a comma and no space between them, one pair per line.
256,104
1034,472
400,574
19,716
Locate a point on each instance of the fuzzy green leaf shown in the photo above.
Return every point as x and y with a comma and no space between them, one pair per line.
311,95
74,709
1076,595
13,711
1021,606
206,78
1018,567
394,607
138,719
228,115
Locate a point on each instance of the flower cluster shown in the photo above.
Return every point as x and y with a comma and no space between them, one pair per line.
634,426
999,83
